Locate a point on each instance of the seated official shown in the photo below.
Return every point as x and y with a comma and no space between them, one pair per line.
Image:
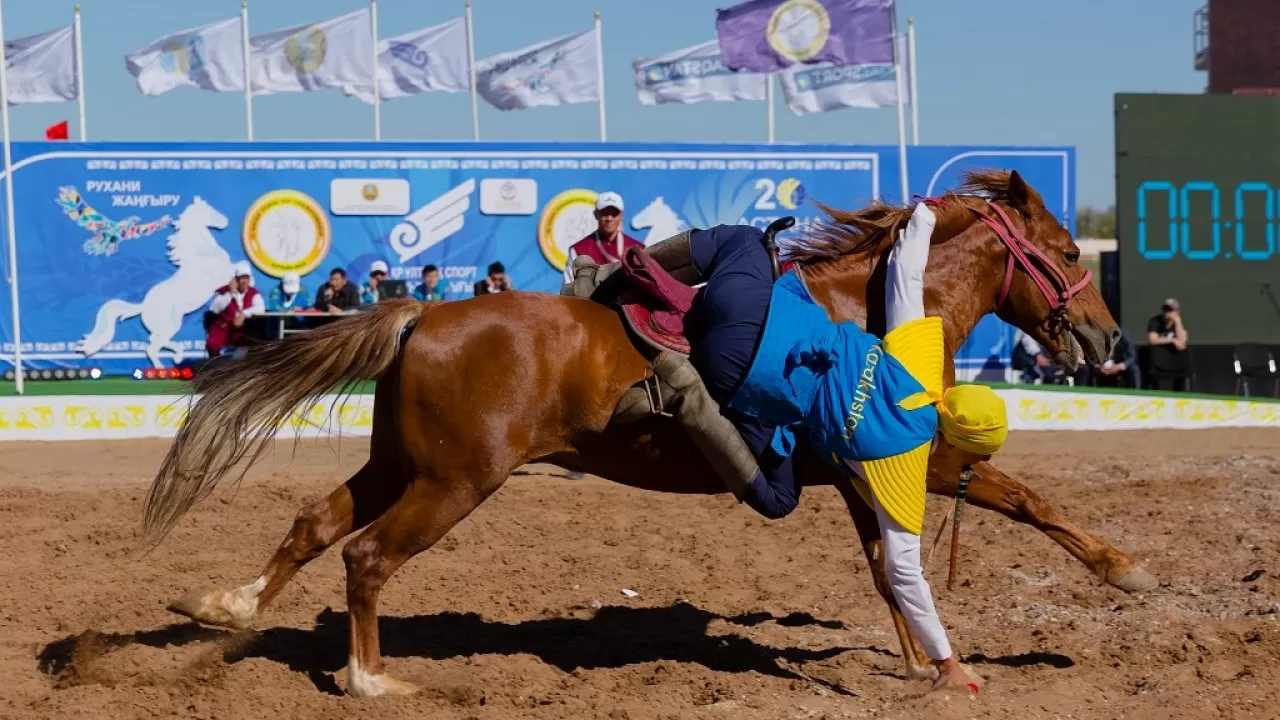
233,304
337,296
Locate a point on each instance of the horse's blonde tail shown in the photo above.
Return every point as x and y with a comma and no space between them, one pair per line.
104,328
244,401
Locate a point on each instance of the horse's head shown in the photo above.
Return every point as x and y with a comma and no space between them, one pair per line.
650,215
1042,288
202,214
996,248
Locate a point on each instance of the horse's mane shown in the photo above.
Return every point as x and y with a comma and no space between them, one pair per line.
870,231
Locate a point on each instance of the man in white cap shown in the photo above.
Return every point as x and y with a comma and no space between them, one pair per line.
288,296
370,293
232,304
608,242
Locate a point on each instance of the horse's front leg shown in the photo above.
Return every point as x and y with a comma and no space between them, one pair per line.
994,490
864,519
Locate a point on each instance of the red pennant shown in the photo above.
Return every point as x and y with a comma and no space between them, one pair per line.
56,132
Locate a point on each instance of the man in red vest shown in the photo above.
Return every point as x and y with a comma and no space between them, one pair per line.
608,242
232,304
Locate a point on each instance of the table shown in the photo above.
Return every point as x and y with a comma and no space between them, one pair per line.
283,316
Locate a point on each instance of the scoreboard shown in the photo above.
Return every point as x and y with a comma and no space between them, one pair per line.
1197,191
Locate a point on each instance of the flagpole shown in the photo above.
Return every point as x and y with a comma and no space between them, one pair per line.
768,101
911,64
600,73
377,104
902,114
471,61
80,75
8,219
248,90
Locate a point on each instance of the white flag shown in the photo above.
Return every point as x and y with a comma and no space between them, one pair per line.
210,57
694,74
434,58
562,71
333,53
823,86
42,68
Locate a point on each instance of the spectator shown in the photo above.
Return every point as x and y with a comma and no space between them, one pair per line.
429,290
232,304
288,296
370,293
1167,328
1121,369
608,242
495,282
1030,360
337,296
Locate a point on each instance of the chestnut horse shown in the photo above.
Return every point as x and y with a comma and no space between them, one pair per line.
469,391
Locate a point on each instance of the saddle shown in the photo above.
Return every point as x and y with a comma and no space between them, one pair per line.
654,305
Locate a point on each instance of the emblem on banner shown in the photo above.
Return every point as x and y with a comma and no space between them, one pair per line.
286,231
369,191
409,53
182,57
305,50
798,29
791,193
567,218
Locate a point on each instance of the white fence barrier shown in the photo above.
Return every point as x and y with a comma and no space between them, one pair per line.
122,417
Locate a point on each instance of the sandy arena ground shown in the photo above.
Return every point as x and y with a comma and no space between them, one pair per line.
519,611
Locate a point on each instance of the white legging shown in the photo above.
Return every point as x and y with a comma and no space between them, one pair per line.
904,302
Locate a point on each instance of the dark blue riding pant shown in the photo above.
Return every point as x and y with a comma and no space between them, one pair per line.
727,322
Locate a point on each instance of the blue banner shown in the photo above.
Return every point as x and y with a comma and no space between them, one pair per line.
121,246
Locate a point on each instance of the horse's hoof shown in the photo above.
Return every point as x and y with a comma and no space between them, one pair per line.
363,684
222,608
1135,581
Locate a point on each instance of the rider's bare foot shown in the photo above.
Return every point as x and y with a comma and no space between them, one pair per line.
954,676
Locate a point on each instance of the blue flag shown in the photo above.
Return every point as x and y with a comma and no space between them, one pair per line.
770,35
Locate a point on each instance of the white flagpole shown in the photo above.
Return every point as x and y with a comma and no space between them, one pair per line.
913,68
768,101
600,74
248,90
80,75
377,105
8,218
471,61
902,114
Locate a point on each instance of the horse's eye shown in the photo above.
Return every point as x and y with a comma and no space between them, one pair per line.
1073,256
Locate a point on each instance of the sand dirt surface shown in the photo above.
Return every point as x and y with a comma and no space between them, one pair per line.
519,612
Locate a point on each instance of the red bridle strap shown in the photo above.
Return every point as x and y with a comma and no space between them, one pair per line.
1057,289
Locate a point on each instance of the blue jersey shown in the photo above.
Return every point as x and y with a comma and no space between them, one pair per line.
831,381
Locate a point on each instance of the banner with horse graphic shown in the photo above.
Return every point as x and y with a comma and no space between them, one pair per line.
120,247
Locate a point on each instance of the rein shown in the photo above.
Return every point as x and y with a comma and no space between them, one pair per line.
1056,287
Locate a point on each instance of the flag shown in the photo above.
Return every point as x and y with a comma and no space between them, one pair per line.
769,35
57,131
333,53
42,68
209,57
562,71
434,58
824,86
694,74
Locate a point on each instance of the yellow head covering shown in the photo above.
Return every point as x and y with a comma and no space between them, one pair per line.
973,418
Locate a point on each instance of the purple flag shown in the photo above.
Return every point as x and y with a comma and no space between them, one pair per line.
770,35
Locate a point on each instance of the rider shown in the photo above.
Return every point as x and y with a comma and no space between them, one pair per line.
874,409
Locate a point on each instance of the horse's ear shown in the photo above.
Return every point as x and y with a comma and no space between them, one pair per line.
1019,192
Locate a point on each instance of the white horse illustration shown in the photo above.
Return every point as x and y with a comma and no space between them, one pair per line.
203,267
662,221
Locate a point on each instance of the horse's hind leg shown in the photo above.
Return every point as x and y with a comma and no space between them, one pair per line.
864,519
352,505
428,509
994,490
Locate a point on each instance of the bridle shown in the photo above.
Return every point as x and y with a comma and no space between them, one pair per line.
1056,287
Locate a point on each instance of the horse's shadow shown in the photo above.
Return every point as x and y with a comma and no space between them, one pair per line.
612,637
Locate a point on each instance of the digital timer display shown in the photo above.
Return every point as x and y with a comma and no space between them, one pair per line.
1197,189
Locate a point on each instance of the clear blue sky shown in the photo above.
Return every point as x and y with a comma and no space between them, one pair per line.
1022,72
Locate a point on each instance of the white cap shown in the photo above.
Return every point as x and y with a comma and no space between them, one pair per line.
378,266
609,199
241,269
291,282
